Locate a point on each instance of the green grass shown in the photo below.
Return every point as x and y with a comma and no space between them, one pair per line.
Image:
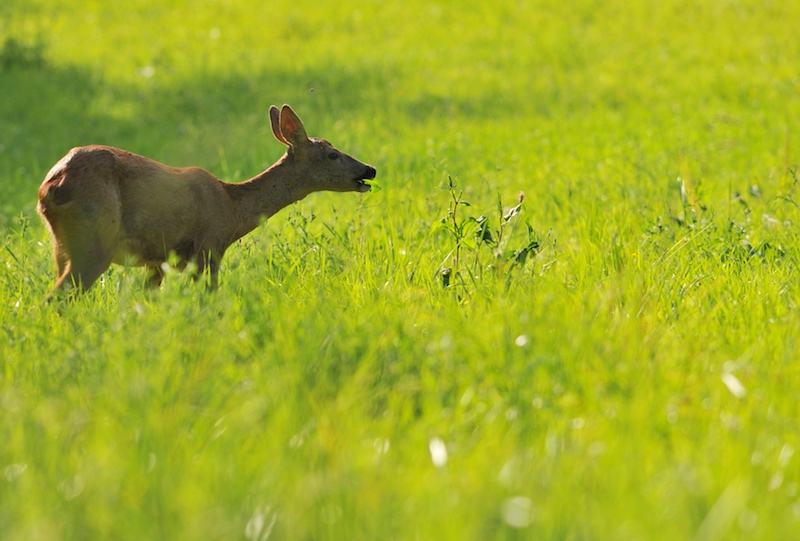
635,377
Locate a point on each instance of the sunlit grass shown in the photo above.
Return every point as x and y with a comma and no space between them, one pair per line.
633,377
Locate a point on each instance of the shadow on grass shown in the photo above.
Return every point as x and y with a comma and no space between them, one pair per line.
207,119
40,109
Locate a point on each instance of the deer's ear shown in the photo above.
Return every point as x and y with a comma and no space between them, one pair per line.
275,122
292,127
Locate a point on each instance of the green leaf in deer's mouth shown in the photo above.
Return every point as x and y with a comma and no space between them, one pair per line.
373,185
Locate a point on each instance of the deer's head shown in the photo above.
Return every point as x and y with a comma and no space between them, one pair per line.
318,163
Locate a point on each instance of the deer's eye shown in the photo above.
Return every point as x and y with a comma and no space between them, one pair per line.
333,156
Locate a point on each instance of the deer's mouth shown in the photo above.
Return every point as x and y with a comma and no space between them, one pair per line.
369,174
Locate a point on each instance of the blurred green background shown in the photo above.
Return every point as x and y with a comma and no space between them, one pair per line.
632,376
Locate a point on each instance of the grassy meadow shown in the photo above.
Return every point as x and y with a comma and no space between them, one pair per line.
612,355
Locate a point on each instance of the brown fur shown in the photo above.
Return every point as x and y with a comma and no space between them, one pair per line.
104,205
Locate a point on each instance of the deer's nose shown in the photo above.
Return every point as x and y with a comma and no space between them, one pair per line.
370,173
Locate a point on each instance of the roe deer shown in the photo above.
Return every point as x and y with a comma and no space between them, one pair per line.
103,205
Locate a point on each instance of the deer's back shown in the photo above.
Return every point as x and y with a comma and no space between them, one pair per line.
155,207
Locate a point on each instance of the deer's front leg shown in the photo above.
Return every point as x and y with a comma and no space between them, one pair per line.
155,275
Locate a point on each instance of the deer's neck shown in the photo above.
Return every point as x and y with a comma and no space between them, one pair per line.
265,194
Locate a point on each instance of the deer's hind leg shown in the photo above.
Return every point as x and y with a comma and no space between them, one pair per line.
86,241
62,260
88,255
